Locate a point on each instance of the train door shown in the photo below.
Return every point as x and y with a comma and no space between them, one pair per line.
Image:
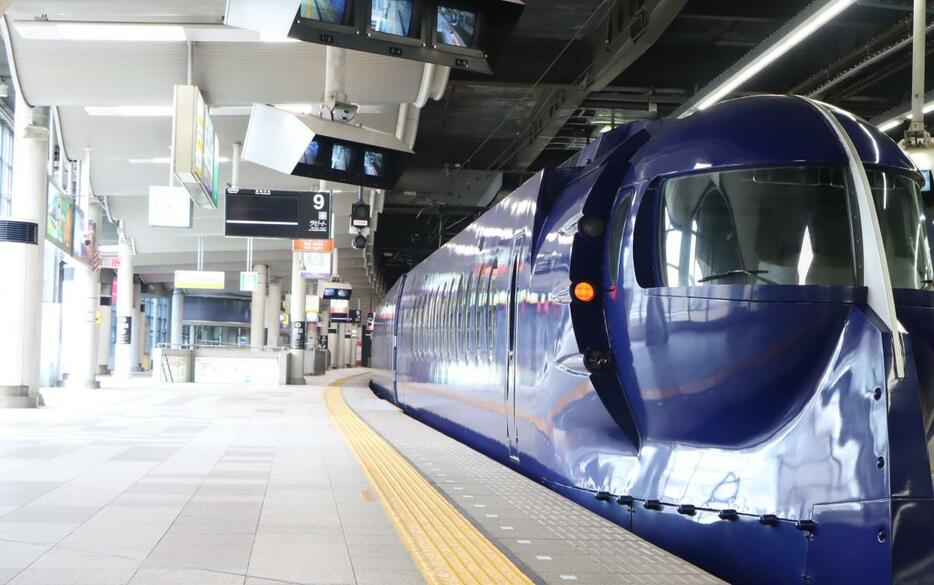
396,326
512,345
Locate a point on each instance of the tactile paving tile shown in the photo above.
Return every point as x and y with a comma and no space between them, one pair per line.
555,539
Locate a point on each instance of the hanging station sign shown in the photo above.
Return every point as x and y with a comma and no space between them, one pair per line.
199,279
293,215
249,281
316,265
169,207
319,246
195,147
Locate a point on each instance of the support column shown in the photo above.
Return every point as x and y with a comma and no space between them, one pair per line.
178,312
21,263
87,291
124,354
273,309
258,309
297,325
104,346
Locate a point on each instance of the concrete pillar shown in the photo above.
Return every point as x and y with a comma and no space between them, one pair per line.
21,265
178,314
103,333
273,309
87,291
297,333
258,309
124,352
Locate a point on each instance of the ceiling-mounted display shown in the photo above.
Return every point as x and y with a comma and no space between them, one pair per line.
309,146
463,34
293,215
195,147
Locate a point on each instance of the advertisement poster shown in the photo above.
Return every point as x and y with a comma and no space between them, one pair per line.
125,330
297,337
85,240
60,222
312,308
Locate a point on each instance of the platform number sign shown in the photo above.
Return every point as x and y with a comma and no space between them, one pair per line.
315,220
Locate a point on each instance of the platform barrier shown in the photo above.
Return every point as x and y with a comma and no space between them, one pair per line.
220,365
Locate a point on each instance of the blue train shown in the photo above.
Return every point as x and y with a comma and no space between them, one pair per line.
717,332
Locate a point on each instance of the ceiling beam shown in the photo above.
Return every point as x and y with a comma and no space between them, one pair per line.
771,49
623,35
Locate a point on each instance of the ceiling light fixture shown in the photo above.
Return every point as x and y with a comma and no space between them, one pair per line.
900,119
791,39
164,160
100,31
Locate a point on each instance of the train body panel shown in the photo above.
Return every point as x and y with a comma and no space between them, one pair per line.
716,371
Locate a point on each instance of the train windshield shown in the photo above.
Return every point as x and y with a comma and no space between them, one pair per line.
786,226
765,226
901,219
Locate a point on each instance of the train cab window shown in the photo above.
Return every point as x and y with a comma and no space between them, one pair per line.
901,218
786,226
617,227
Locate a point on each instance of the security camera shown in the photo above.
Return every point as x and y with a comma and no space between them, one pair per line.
359,242
343,112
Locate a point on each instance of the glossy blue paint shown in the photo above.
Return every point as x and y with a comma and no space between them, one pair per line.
767,400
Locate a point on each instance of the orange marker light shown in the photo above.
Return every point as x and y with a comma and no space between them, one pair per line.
584,292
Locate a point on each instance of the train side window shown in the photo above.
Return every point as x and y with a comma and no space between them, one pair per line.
468,315
476,314
432,323
491,312
617,227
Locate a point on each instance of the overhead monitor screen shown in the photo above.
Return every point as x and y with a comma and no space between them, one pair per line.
341,157
392,17
373,163
314,155
337,293
456,27
331,11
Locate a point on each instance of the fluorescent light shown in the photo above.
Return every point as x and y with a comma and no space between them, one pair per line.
900,119
270,38
125,32
164,160
129,111
891,124
793,38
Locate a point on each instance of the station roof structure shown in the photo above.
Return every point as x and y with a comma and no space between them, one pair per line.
568,71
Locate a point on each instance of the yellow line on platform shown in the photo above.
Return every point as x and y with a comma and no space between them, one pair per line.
445,546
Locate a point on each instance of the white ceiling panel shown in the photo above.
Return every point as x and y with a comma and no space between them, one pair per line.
193,11
109,73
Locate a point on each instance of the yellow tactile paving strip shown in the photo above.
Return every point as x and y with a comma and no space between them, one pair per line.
445,546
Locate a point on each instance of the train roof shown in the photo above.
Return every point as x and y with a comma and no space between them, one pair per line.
754,131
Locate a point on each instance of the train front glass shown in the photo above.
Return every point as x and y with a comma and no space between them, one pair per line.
787,226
